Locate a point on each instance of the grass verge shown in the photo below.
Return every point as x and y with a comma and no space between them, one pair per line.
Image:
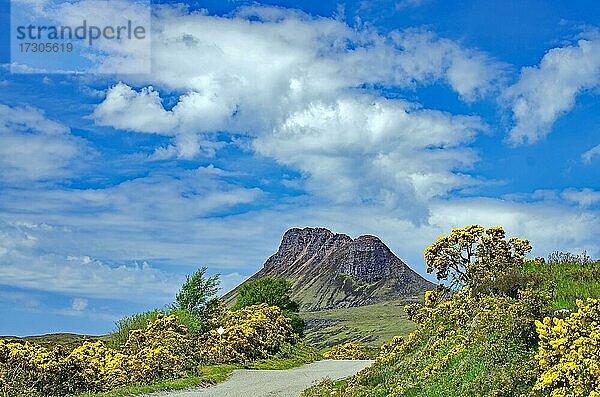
289,357
207,376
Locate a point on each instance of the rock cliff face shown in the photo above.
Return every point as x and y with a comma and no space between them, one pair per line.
330,270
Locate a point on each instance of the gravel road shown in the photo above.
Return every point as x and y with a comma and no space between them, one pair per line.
279,383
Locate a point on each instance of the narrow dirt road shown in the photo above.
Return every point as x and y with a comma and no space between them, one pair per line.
279,383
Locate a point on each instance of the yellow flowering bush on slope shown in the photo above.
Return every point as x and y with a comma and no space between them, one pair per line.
251,333
163,349
346,351
569,353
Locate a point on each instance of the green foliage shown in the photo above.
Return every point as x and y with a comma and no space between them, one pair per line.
201,321
481,259
252,333
273,292
570,277
197,291
130,323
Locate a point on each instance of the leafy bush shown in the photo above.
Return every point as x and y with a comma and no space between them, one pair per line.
253,332
569,354
481,259
273,292
197,291
130,323
347,351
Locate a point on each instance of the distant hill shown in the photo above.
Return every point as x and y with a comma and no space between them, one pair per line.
330,270
50,340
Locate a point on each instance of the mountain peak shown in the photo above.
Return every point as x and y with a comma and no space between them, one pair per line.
330,270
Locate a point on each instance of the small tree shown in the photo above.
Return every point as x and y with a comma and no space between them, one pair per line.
273,292
483,260
197,291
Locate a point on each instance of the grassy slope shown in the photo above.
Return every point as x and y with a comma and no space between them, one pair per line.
567,281
370,325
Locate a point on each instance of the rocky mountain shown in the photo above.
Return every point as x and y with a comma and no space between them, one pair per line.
330,270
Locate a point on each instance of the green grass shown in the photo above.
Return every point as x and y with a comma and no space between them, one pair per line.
290,357
208,375
369,325
569,281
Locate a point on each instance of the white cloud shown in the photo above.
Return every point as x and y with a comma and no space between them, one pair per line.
29,263
589,155
386,152
282,77
582,197
127,109
547,91
79,304
35,147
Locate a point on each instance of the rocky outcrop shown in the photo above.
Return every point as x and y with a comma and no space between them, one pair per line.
330,270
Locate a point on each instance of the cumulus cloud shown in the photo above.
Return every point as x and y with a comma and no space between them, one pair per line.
548,90
589,156
35,147
385,151
278,76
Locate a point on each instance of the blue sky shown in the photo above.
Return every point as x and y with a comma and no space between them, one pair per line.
400,118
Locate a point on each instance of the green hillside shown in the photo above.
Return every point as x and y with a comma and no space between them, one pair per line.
370,325
485,344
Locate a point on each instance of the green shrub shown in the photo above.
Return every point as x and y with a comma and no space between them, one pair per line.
347,351
130,323
273,292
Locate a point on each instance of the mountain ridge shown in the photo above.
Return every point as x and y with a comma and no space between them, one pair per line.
332,270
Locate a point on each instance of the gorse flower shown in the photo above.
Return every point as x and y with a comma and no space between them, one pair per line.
164,349
347,351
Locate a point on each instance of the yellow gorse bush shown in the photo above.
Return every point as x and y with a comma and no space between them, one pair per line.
253,332
163,349
569,353
347,351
